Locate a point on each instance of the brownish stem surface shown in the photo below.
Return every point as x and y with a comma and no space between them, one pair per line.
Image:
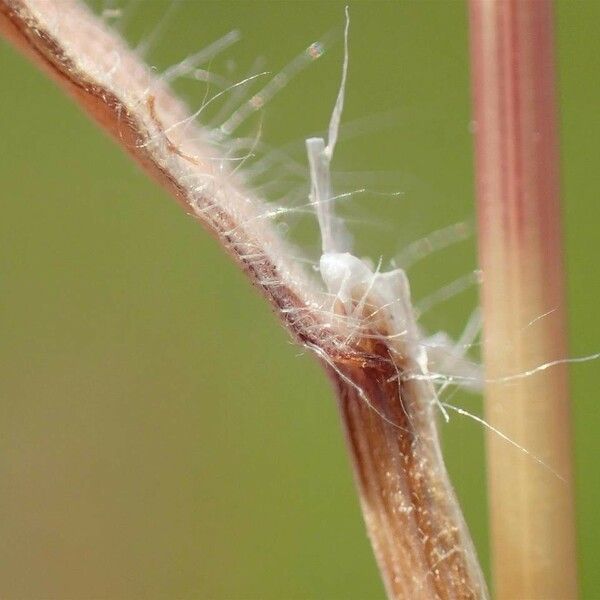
520,245
418,534
421,542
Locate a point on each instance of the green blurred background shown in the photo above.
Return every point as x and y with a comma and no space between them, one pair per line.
160,436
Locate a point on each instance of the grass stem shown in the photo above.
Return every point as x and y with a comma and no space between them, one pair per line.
520,247
419,536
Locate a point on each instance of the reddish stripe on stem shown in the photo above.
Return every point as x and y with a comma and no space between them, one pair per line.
520,247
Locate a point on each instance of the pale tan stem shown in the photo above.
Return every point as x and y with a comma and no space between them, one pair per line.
532,510
420,540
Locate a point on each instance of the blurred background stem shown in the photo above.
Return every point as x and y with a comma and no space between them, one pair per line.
520,246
